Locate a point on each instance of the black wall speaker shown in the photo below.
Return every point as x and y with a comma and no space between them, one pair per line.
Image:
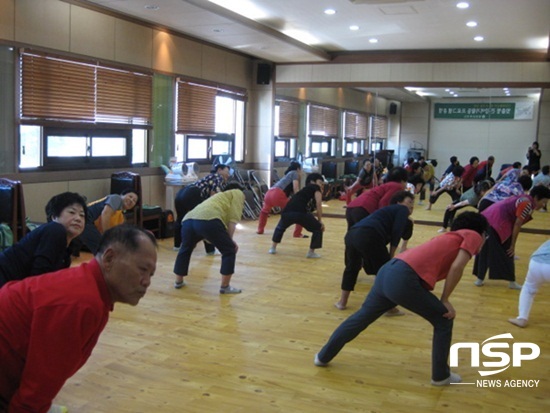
264,74
393,108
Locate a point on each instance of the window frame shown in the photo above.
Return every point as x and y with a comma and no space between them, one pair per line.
89,161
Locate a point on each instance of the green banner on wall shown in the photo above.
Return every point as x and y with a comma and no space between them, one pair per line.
519,110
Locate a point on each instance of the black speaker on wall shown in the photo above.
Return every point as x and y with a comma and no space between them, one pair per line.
263,76
393,108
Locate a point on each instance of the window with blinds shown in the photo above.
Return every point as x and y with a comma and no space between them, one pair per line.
289,115
196,109
355,125
378,127
55,88
322,121
209,121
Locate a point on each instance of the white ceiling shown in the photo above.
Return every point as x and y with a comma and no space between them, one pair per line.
263,28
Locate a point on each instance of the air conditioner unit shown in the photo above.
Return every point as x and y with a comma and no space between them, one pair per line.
191,173
183,173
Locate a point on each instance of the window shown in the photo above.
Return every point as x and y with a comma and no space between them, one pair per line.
81,114
66,148
210,123
286,125
378,132
322,130
355,133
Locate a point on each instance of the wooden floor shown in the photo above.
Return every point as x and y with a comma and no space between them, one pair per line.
192,350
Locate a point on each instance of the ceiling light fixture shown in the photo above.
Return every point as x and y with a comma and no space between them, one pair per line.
462,5
373,40
152,7
471,24
330,12
479,38
354,27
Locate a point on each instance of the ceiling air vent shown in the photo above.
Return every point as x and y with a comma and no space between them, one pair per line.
382,2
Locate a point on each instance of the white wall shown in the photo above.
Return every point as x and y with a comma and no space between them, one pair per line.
506,140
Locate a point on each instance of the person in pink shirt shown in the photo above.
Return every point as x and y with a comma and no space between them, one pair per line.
407,280
505,219
50,324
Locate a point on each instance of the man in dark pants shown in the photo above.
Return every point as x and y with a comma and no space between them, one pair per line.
297,212
366,241
408,280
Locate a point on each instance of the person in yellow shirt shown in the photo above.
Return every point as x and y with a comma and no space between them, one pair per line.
213,220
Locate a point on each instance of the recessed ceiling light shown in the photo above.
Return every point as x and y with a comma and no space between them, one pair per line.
373,40
479,38
152,7
354,27
462,5
330,11
471,24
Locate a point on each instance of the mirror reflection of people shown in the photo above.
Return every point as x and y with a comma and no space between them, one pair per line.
45,249
50,324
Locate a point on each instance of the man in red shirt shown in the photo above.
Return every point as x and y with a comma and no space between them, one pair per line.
407,280
50,324
469,173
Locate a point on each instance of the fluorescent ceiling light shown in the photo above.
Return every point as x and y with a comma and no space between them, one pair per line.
302,36
479,38
471,24
373,40
354,27
330,11
245,8
462,5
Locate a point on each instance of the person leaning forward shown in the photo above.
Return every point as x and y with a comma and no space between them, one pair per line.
50,324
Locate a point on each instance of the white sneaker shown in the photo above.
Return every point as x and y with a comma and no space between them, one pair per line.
312,255
318,362
272,251
453,378
478,282
441,230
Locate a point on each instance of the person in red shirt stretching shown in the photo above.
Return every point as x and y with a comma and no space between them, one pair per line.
407,280
50,324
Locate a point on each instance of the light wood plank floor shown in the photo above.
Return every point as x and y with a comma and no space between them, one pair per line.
192,350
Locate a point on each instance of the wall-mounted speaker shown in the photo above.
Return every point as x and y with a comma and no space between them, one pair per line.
263,77
393,108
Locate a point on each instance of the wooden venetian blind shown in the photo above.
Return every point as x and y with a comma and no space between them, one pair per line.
378,127
196,109
289,115
56,88
355,126
123,97
323,121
